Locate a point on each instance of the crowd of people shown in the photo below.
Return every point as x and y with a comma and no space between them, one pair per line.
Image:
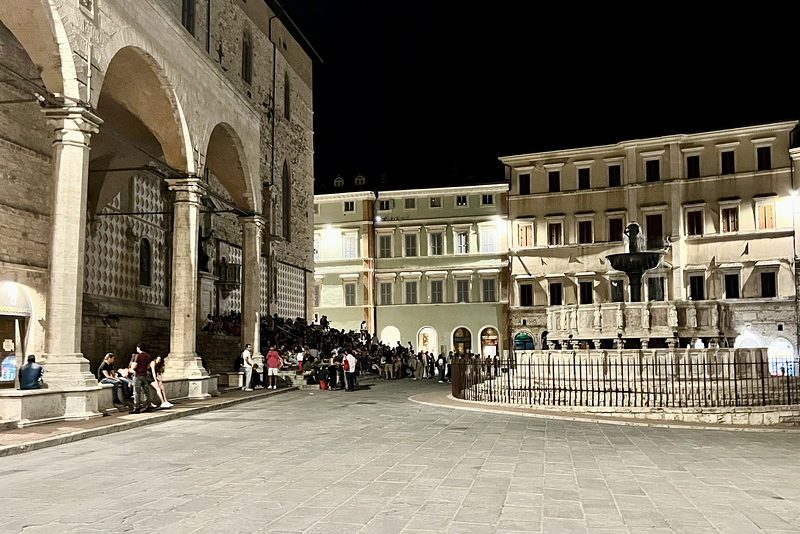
137,382
230,324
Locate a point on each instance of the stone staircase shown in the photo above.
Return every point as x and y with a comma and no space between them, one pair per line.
217,350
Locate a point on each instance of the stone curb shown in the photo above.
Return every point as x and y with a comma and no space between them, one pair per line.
159,417
542,414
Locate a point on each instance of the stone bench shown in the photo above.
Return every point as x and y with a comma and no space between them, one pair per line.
232,379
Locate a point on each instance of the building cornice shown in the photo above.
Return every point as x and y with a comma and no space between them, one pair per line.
444,191
336,197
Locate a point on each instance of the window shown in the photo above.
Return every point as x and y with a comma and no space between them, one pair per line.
525,235
614,175
350,294
617,291
586,292
655,234
410,244
386,293
585,231
526,295
488,238
764,157
732,286
554,178
286,201
436,243
487,200
768,285
287,97
694,222
615,229
697,287
584,181
462,290
349,205
187,15
727,162
350,246
693,166
462,242
461,200
489,292
360,180
384,205
652,170
411,292
145,262
765,213
385,246
436,202
730,218
554,234
437,291
247,59
411,203
655,288
524,184
316,209
555,294
337,182
317,295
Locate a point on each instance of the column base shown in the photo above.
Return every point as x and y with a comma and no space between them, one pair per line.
65,371
186,365
38,406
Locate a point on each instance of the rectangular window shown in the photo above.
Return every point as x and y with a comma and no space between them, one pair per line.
730,219
614,175
487,200
437,291
584,180
526,295
411,203
350,294
411,244
187,15
525,235
655,233
768,286
386,294
697,287
728,164
655,288
489,292
384,205
462,242
764,156
615,229
349,205
732,286
411,292
617,291
766,216
555,294
584,231
436,243
555,181
436,202
488,240
349,247
693,166
385,246
462,290
587,292
524,184
652,170
461,200
554,234
694,222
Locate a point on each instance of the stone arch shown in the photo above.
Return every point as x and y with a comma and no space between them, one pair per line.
461,339
428,339
390,335
749,340
37,26
782,360
225,157
524,340
488,338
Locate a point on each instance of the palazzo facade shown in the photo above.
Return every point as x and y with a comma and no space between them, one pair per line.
156,163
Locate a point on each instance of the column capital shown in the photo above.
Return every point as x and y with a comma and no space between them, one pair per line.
794,153
254,219
187,188
75,118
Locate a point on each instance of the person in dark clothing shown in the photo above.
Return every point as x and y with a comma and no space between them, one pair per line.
30,374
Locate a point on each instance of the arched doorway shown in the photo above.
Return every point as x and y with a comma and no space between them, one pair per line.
489,342
462,340
16,311
390,336
427,340
523,341
782,361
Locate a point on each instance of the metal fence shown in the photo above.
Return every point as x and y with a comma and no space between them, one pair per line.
628,382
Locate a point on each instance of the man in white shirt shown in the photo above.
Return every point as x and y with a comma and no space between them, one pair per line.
247,366
350,371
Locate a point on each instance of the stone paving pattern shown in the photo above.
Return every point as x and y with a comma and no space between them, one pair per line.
372,461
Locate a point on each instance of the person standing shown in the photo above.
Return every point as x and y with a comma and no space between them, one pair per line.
157,371
141,382
30,374
247,367
349,365
273,364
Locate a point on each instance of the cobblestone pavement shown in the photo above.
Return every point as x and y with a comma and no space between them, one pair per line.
372,461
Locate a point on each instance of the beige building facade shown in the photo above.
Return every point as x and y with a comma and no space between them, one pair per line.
156,159
721,207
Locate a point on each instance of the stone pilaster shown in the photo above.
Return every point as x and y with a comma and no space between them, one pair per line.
252,238
183,361
65,366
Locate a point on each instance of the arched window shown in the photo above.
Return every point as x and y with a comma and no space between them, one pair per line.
287,97
523,342
360,180
145,258
247,59
287,202
338,182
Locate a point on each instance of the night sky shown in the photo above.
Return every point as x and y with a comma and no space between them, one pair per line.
427,94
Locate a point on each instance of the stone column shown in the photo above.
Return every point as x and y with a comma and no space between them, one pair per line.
252,229
65,366
183,361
